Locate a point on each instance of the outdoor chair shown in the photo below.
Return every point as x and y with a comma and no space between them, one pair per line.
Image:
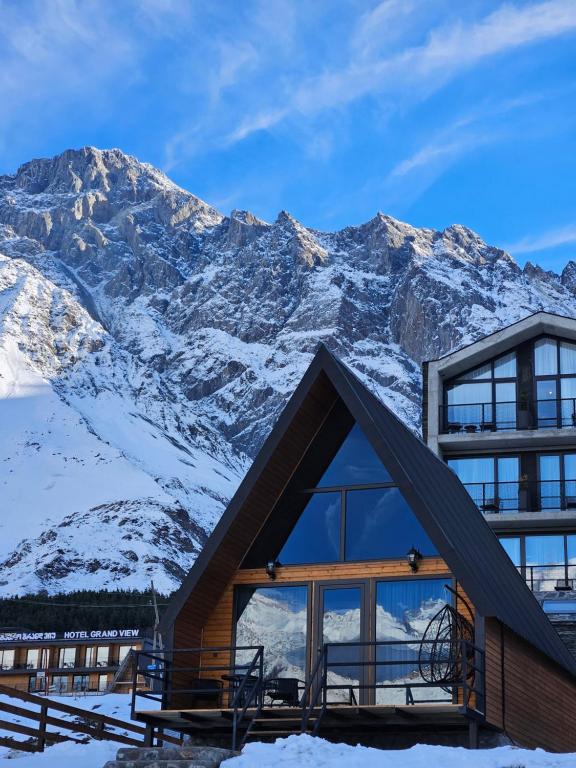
283,690
207,693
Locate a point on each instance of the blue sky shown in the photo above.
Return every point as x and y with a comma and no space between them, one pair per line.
433,111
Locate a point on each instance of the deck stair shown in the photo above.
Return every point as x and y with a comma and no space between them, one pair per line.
277,723
159,757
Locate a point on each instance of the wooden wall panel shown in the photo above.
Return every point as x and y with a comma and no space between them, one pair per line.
530,697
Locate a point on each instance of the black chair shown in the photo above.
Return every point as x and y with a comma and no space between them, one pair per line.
206,694
283,690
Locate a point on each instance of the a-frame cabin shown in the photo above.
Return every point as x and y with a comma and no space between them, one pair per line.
353,589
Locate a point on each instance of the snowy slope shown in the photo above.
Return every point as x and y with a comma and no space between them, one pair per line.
148,343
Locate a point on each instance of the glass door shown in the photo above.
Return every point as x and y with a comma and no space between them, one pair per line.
343,620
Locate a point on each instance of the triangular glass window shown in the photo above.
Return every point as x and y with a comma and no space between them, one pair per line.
379,524
356,463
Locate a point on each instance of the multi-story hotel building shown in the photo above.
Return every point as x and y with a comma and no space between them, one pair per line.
502,413
70,662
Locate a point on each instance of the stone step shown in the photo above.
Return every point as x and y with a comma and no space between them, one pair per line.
154,764
162,757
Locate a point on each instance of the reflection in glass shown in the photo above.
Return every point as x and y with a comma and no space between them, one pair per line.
403,611
469,404
316,536
342,623
550,497
567,357
505,366
511,546
380,524
508,484
546,394
275,617
568,405
482,372
570,480
545,357
356,463
506,405
477,476
544,562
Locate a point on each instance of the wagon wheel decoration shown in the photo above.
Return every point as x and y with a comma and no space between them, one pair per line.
440,654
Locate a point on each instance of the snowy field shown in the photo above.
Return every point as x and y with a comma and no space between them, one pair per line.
68,754
307,752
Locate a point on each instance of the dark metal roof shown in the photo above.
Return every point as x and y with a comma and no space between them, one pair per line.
456,527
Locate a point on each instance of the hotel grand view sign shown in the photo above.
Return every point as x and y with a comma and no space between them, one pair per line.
88,634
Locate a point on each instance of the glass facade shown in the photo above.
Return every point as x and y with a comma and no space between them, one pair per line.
277,618
493,482
342,623
81,683
356,463
349,522
483,398
380,525
555,372
59,684
316,536
403,611
547,561
67,658
7,658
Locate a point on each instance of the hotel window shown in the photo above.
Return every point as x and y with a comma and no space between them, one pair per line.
102,683
7,658
483,399
36,684
33,657
90,656
102,655
59,684
123,652
547,561
557,475
555,372
493,482
67,658
81,683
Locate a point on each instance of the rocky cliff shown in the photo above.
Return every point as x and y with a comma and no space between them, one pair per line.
148,342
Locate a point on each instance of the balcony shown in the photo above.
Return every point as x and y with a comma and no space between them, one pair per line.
559,577
472,418
523,496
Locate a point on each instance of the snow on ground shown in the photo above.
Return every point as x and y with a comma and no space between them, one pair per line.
308,752
91,755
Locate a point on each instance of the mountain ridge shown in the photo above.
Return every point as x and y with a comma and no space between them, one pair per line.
167,337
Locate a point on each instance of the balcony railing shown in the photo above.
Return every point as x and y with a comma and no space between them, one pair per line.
558,577
470,418
523,496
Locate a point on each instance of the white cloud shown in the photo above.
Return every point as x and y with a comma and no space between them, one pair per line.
448,51
551,239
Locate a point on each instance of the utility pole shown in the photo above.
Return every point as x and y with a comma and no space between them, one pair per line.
157,640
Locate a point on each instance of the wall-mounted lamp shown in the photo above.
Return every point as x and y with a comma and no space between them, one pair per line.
413,556
271,566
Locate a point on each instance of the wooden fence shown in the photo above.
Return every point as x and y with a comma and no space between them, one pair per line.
82,726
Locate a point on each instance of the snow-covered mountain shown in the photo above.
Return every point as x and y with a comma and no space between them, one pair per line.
148,342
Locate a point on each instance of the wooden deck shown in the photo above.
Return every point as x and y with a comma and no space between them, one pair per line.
276,721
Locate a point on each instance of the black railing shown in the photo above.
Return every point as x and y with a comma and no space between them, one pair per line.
478,417
390,672
523,496
555,577
471,418
192,678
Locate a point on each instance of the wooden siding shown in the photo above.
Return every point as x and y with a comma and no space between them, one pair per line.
256,508
530,697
